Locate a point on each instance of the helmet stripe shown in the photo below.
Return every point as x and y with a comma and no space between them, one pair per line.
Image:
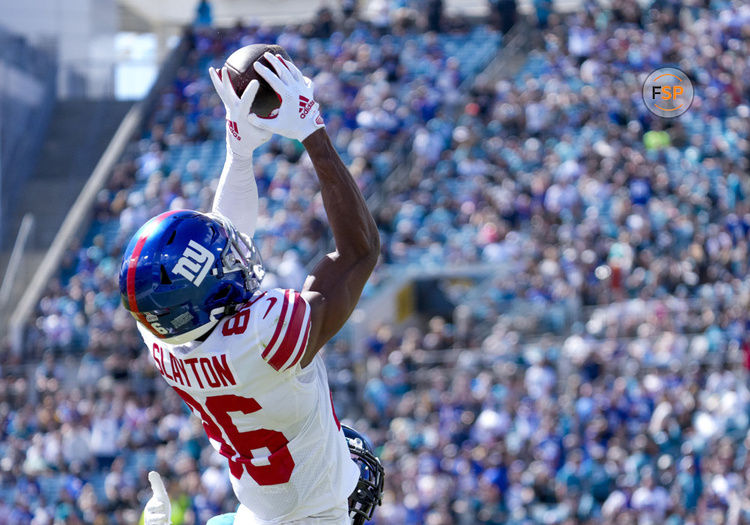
133,264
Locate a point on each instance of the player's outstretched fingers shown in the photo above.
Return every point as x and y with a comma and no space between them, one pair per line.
215,80
248,96
223,86
281,69
296,73
270,77
227,83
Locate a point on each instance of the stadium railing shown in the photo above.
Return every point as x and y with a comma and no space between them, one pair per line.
16,258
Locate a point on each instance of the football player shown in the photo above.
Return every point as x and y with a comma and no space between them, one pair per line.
362,501
246,361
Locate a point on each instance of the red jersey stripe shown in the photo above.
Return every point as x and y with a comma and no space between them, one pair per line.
303,346
279,326
292,335
333,409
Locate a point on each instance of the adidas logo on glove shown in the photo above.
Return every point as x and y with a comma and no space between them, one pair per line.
233,129
305,105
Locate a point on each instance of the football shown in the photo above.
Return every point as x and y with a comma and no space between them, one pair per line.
241,72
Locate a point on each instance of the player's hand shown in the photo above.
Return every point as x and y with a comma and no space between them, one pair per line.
299,115
158,509
242,136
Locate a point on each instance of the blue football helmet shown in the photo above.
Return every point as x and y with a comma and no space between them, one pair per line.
184,270
369,491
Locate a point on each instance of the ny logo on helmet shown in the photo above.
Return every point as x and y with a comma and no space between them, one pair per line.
194,263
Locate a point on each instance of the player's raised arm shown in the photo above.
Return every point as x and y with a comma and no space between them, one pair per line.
237,193
336,283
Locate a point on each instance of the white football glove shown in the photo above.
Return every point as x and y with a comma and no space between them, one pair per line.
242,136
158,509
299,115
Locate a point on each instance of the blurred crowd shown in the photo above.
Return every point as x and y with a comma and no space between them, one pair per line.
80,452
631,406
637,227
563,171
579,429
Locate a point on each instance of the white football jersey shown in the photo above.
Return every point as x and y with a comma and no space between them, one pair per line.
271,419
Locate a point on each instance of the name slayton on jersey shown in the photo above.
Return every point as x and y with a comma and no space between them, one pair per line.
194,264
203,372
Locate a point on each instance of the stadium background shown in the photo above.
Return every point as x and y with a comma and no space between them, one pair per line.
557,329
